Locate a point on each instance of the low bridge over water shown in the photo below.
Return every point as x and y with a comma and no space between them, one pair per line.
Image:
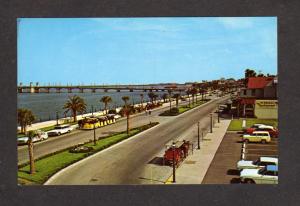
100,88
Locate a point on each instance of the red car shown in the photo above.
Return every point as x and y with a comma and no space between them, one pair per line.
272,131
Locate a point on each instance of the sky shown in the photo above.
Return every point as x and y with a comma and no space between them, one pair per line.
144,50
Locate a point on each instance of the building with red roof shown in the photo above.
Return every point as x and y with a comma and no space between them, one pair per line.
260,97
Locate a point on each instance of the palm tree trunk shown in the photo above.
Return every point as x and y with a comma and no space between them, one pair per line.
74,115
31,158
127,122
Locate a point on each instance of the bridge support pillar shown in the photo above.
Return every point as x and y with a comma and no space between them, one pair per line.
93,90
69,90
81,90
131,90
57,90
105,90
118,90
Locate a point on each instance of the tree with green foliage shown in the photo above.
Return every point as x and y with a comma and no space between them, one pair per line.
188,92
75,104
165,96
106,100
142,99
151,96
31,134
176,96
25,118
194,92
127,111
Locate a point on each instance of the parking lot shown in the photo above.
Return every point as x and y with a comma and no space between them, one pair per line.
223,170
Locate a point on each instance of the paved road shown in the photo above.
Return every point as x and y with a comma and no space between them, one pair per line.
125,163
61,142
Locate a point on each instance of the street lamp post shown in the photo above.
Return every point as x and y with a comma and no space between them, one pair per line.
211,123
56,117
94,134
92,110
198,135
173,149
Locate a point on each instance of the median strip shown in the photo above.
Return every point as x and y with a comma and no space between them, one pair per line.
50,164
181,109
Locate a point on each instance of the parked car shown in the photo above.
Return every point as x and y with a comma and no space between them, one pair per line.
257,136
266,175
39,137
273,132
59,130
259,163
257,126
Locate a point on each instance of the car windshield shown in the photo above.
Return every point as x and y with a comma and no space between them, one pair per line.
256,162
262,171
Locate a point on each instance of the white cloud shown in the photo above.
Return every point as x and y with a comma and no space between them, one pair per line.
236,22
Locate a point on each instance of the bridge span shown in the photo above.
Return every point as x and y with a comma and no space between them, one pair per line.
100,88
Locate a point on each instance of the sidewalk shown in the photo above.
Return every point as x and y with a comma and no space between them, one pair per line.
193,169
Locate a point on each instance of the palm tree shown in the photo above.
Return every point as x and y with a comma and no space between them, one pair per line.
170,95
75,104
165,96
176,96
194,92
151,95
31,134
155,98
105,100
127,111
25,118
142,99
188,92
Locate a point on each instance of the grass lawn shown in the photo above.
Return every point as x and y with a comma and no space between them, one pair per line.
236,124
46,167
184,108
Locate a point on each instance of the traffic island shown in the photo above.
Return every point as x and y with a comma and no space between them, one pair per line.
48,165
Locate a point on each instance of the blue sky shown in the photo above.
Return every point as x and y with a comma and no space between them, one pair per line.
144,50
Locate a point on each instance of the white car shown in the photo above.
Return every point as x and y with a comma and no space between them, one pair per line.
39,137
259,163
59,130
266,175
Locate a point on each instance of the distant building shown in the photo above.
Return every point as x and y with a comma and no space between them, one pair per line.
259,99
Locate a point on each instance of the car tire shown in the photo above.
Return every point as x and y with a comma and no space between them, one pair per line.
263,141
246,141
249,181
59,134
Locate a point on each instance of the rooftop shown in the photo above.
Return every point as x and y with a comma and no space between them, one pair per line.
258,82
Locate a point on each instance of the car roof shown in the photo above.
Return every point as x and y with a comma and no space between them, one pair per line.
269,159
63,125
272,168
265,126
262,132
